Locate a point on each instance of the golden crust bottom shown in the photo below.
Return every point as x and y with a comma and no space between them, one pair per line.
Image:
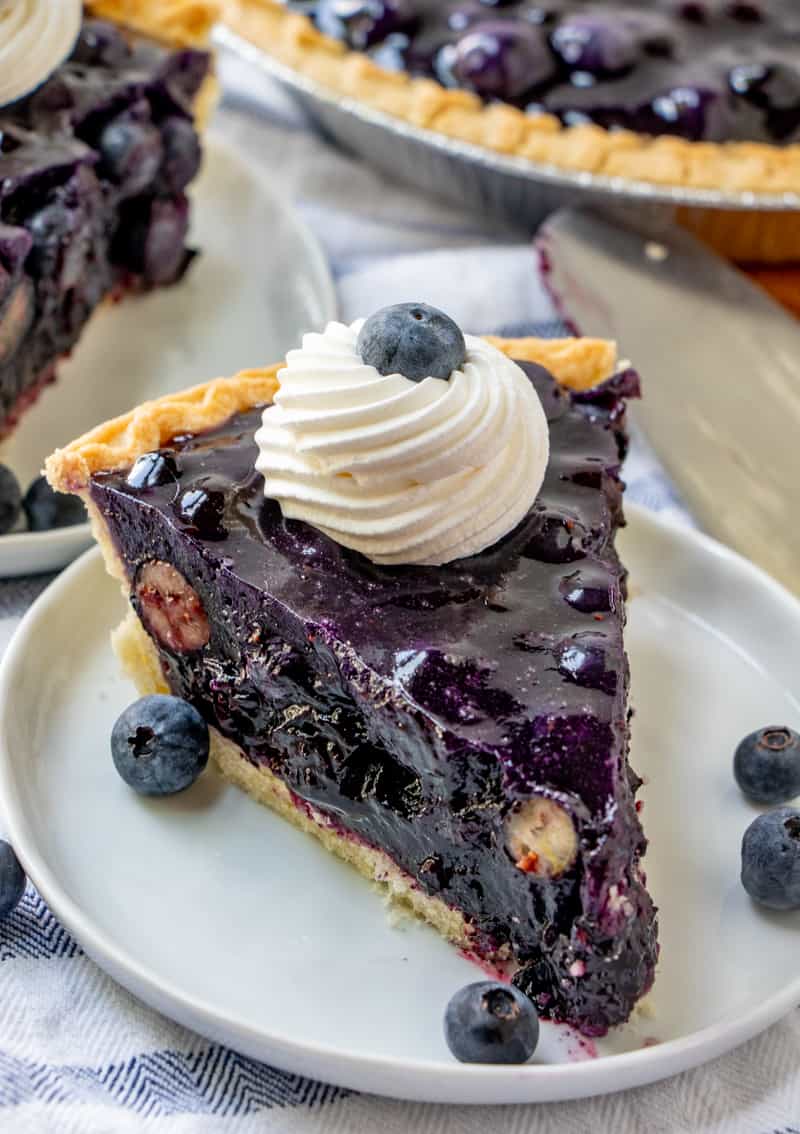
732,166
578,364
140,662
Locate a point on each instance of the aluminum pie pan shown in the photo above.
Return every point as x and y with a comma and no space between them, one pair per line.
478,178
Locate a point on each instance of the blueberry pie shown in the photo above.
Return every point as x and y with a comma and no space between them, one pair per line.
94,164
395,598
703,94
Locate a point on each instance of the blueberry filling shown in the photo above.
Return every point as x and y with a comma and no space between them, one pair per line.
470,720
714,70
93,168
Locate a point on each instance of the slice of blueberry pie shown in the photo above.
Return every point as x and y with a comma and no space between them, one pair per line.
386,575
703,95
98,143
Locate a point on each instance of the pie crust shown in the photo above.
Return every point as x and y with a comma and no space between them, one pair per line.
735,167
185,22
578,364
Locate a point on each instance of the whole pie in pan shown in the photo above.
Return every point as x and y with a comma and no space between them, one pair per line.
699,96
702,94
94,167
455,728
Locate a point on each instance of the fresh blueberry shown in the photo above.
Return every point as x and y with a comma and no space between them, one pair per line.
202,507
132,150
499,59
12,880
597,44
160,745
489,1022
767,765
182,154
45,508
10,500
153,469
771,859
362,23
414,340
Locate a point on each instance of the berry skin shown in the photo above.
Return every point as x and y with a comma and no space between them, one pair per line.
12,880
414,340
771,859
687,111
362,24
182,154
10,500
160,745
489,1022
132,150
153,469
170,608
202,507
766,765
46,509
501,59
601,46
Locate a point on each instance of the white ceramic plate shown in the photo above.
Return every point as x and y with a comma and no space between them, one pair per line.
221,915
260,282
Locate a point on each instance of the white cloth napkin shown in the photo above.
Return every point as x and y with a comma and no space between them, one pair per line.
78,1055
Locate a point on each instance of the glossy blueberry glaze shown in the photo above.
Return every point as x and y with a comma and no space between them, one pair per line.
710,69
92,171
415,706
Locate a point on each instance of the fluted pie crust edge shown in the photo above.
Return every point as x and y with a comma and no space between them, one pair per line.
577,364
184,22
730,166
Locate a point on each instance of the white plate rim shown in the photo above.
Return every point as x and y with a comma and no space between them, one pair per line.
58,544
411,1079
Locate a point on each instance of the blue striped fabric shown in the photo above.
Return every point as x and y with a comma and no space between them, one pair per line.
209,1080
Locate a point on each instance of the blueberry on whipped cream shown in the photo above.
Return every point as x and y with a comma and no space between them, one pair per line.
414,340
404,469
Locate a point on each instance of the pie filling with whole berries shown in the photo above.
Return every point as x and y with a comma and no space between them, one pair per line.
94,166
456,730
703,94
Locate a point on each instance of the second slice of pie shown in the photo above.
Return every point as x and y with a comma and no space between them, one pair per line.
457,730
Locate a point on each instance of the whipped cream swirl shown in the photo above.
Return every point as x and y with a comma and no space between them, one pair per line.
35,37
404,472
